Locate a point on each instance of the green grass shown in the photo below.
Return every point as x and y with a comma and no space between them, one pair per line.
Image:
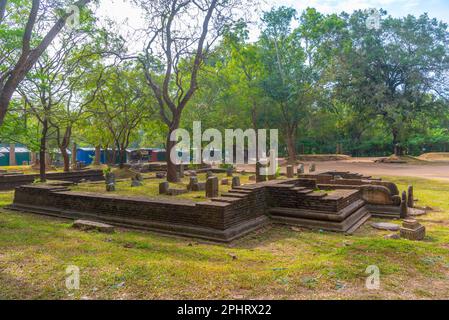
276,262
150,187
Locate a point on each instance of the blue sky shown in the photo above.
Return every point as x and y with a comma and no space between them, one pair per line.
435,8
128,16
121,9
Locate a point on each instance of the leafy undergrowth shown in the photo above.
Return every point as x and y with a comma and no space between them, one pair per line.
277,262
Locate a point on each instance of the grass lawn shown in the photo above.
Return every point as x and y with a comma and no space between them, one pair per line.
276,262
150,188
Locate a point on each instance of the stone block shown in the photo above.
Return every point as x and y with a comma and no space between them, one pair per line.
235,182
312,167
212,187
93,225
290,173
410,199
412,230
163,187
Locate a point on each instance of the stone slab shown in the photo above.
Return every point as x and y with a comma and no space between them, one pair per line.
93,225
385,226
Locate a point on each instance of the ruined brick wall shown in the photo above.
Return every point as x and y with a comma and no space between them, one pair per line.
8,182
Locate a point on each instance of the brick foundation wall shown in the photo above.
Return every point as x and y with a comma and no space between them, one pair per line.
8,182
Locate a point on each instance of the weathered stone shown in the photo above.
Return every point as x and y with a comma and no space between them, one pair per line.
403,209
410,199
181,171
209,174
93,225
235,182
163,187
192,181
300,169
224,182
375,194
312,167
412,230
252,178
229,172
161,175
392,236
290,173
176,192
385,226
212,187
110,181
200,186
139,177
136,183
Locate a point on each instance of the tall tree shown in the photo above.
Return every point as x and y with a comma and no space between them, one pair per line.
18,61
180,37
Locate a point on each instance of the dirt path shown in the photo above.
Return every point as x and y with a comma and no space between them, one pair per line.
367,166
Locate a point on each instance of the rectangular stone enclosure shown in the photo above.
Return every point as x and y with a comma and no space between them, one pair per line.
233,214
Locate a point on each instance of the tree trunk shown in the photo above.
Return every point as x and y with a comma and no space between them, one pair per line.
396,143
12,154
122,157
74,147
29,57
172,175
43,151
97,159
66,158
291,146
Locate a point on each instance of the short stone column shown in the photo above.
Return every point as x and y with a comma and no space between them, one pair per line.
193,181
290,173
181,171
312,167
163,187
410,199
212,187
229,172
300,169
110,181
235,182
403,208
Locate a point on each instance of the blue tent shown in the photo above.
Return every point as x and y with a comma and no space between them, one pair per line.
22,154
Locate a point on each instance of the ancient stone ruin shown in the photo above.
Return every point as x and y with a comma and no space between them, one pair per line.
345,205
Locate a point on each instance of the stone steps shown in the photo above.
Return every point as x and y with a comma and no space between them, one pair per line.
234,195
348,225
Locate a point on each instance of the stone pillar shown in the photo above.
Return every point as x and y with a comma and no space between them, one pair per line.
300,169
410,199
163,187
290,171
212,187
235,182
312,167
110,181
403,208
181,171
12,155
229,172
192,182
